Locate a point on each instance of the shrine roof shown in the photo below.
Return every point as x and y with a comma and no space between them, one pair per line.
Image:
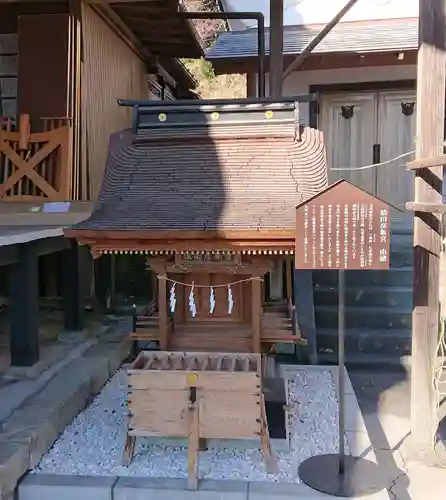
198,167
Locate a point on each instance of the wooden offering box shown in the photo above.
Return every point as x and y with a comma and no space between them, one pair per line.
198,396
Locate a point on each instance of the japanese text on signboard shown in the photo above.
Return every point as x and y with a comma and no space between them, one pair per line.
341,233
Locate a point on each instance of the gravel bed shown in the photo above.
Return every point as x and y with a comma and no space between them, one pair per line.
93,443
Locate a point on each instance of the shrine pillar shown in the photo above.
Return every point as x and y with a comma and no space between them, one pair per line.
256,303
162,312
276,281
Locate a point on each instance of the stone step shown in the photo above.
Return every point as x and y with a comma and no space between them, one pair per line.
401,277
401,258
364,317
365,296
393,342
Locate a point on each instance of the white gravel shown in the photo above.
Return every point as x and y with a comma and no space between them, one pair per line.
93,443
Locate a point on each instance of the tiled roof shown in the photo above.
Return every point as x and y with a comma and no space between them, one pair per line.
372,36
222,176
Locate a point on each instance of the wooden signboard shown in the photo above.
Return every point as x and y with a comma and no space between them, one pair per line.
341,228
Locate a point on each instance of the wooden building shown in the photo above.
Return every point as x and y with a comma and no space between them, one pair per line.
364,72
208,190
63,65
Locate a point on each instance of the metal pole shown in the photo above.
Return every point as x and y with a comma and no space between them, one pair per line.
261,55
341,378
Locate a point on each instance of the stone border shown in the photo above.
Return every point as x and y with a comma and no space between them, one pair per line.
30,431
55,487
52,487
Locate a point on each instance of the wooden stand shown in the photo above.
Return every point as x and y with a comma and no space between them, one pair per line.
198,396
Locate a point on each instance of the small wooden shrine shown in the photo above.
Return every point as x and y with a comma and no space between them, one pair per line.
208,190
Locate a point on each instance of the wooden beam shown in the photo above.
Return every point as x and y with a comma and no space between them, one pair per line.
432,208
23,283
256,304
427,240
72,289
179,234
318,39
433,161
288,274
215,267
162,313
275,47
251,84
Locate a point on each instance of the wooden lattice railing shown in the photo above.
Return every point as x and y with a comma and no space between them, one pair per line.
35,165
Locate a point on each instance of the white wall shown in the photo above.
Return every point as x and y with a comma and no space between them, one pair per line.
321,11
299,82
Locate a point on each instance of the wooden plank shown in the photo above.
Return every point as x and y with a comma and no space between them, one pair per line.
246,365
205,363
24,131
162,312
232,364
158,413
219,363
431,78
178,362
245,382
432,208
192,363
270,461
229,415
432,161
129,449
193,446
166,362
256,294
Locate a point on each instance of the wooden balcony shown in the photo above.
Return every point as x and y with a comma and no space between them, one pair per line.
36,165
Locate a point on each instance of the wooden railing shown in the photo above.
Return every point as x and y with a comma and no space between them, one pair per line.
36,165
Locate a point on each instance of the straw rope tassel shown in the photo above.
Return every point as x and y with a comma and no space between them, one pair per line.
230,300
212,301
173,300
192,305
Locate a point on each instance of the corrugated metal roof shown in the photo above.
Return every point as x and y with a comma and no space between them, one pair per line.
373,36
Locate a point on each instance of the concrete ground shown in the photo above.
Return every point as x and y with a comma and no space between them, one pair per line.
384,398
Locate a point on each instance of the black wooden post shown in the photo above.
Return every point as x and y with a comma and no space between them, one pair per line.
304,302
71,289
23,287
102,280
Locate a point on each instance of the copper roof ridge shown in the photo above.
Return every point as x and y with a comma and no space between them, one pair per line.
200,139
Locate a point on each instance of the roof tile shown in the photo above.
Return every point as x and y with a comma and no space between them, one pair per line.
214,181
372,36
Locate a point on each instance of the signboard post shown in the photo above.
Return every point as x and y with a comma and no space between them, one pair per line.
342,228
